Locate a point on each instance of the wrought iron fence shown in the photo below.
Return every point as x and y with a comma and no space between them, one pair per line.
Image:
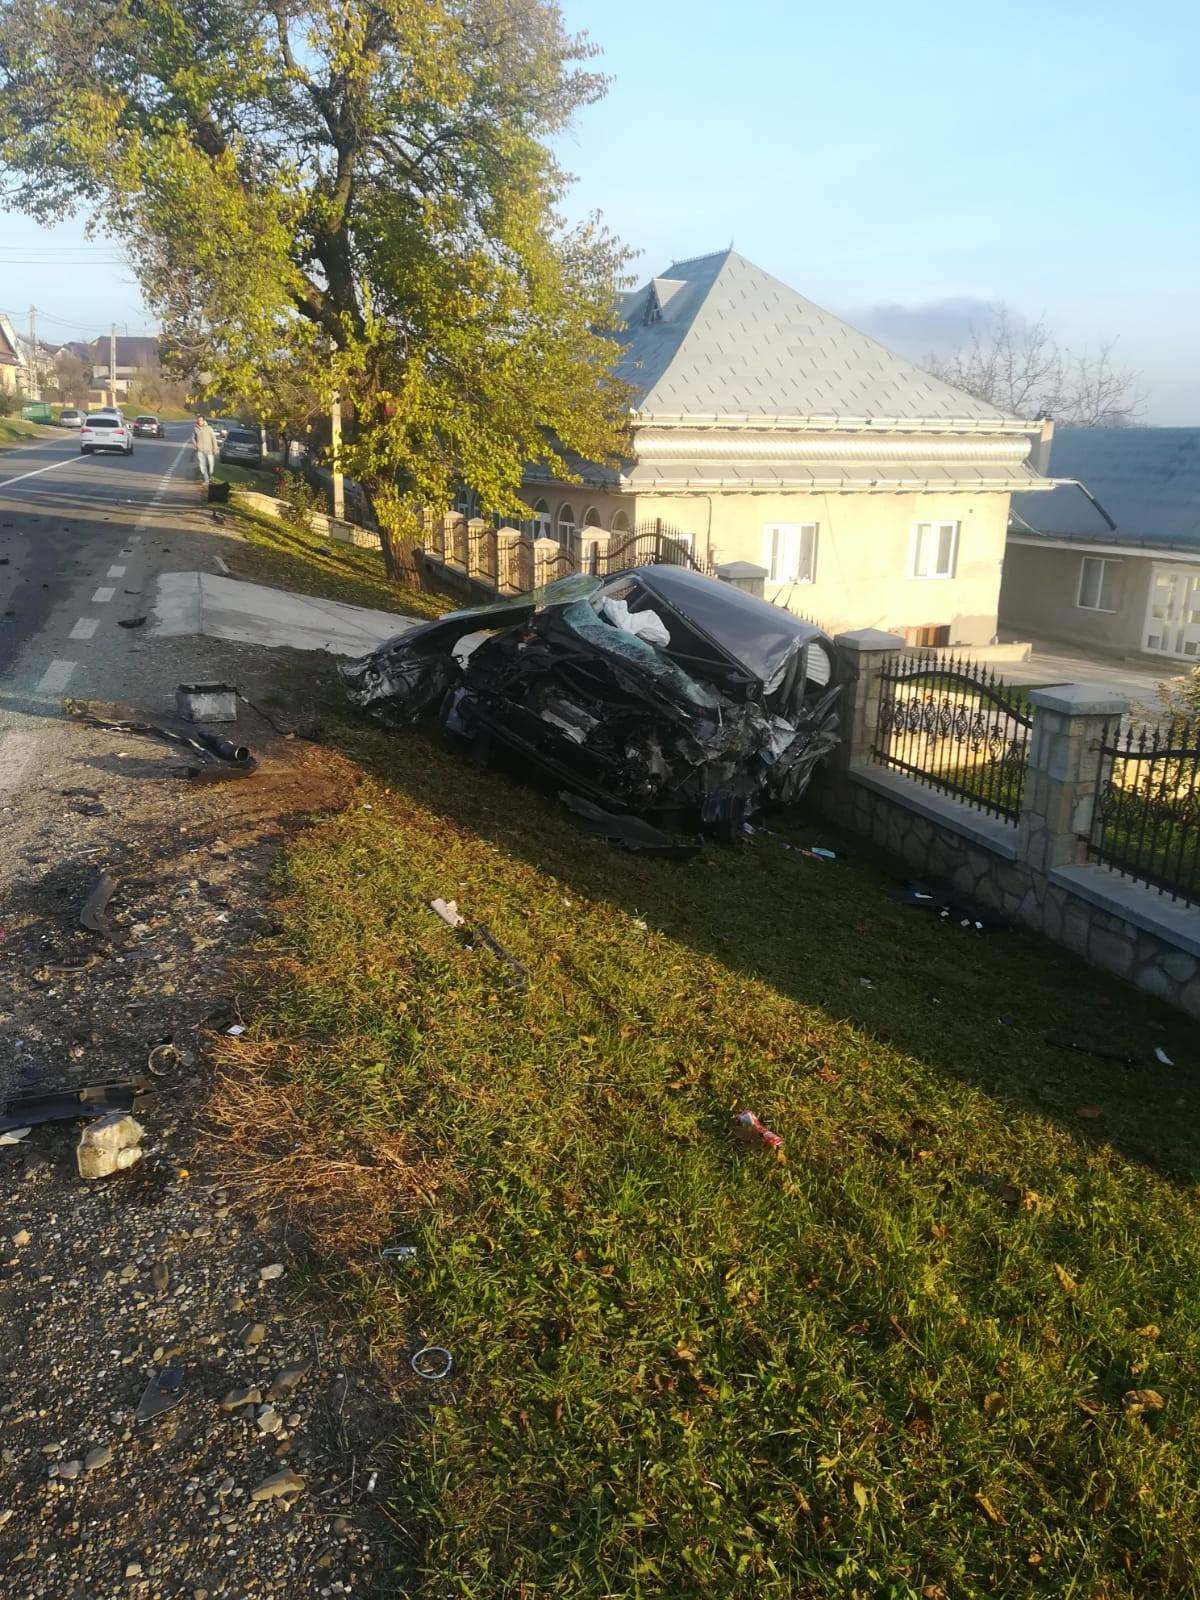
1146,814
955,726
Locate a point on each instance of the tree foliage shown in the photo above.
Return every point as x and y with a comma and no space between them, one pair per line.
340,194
1023,370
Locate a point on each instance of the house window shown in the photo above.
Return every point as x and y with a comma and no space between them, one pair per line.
1097,584
620,522
591,518
934,549
541,520
790,551
566,521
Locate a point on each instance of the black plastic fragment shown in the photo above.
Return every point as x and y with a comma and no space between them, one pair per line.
633,833
164,1391
67,1105
91,913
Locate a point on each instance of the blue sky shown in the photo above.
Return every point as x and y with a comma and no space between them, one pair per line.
934,158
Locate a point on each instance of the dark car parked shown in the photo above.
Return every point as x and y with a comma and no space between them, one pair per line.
243,446
148,428
656,693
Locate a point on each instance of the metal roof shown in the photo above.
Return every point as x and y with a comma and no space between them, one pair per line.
820,475
1147,481
718,337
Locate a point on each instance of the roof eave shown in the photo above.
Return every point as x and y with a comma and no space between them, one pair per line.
736,421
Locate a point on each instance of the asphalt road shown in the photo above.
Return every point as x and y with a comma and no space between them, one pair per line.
81,540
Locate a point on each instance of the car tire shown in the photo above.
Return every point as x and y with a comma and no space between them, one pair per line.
128,449
85,449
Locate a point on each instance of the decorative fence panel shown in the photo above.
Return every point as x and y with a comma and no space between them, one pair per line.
1146,812
954,726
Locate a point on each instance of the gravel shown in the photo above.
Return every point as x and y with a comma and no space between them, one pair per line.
228,1495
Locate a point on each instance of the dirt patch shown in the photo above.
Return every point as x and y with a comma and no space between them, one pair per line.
103,1285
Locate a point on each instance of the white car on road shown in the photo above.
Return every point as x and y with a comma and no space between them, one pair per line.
105,430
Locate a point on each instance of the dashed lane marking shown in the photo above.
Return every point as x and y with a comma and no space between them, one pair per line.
115,572
56,677
103,595
84,628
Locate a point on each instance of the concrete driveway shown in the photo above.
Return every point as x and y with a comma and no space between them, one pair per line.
1058,663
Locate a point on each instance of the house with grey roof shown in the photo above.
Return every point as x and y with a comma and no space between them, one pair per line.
1110,557
134,353
870,493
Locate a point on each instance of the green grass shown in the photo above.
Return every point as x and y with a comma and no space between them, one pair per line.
15,430
274,552
261,479
890,1365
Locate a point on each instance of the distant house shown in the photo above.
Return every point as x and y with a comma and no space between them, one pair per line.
869,493
14,363
135,353
1111,557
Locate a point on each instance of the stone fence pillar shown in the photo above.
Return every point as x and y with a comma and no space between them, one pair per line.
514,558
595,545
455,539
1061,772
860,657
547,554
482,552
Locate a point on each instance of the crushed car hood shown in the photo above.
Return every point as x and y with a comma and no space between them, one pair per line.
729,715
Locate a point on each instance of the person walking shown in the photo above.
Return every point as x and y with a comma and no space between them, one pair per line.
204,442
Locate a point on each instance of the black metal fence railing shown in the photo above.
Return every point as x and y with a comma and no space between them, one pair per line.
954,726
1146,813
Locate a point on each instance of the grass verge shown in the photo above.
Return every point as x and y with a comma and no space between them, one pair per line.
274,552
15,430
893,1363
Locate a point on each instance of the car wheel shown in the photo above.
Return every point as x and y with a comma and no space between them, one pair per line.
128,449
85,449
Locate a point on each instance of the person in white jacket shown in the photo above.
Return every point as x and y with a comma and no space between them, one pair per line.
204,442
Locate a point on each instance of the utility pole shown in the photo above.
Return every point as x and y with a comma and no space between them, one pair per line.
112,365
34,355
335,446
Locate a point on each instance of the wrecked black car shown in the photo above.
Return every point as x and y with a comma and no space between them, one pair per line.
657,691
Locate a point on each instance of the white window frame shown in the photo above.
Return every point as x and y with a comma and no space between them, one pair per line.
620,522
591,519
802,567
1105,561
565,526
541,520
914,548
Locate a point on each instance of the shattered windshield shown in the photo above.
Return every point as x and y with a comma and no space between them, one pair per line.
585,624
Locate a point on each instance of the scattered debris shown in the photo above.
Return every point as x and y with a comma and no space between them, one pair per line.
751,1131
1136,1401
14,1135
66,1105
241,1397
164,1391
1161,1056
632,833
432,1361
214,749
237,1030
206,702
163,1058
91,913
110,1144
821,853
130,622
480,935
1094,1050
269,1274
729,713
281,1483
398,1252
448,911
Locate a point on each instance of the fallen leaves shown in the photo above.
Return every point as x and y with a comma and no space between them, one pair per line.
1137,1401
1088,1113
990,1512
993,1403
1069,1286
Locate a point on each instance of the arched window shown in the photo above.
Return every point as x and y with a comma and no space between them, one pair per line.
541,520
591,518
620,522
566,522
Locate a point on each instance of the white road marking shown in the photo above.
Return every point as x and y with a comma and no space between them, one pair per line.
84,628
66,461
102,596
56,677
115,572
